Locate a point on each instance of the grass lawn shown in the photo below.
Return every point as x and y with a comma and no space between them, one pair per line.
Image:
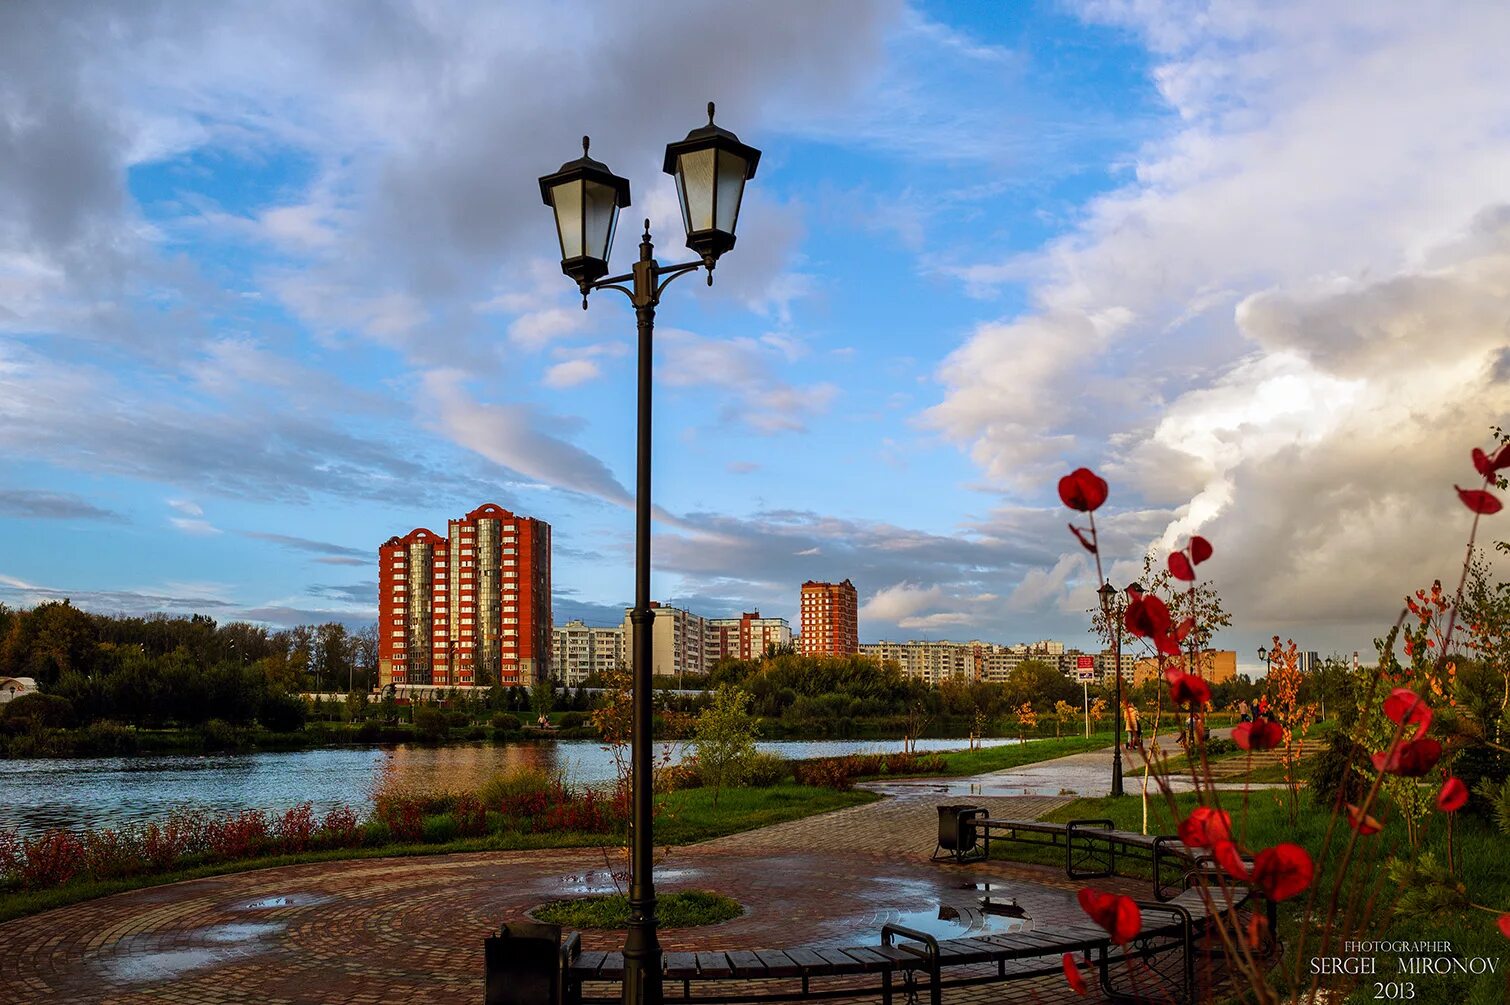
684,909
688,816
1480,850
970,762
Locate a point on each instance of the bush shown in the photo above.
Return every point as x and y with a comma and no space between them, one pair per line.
471,816
439,829
506,722
430,725
764,770
237,835
458,720
282,713
404,818
36,711
1330,778
684,775
295,829
339,829
107,739
217,734
572,720
50,860
516,787
370,731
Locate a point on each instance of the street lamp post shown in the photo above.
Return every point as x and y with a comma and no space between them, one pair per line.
1108,593
711,167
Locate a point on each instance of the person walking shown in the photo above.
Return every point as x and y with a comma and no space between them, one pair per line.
1134,728
1244,711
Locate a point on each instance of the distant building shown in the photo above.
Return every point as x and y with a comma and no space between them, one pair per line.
676,646
15,687
470,608
829,619
746,637
937,661
1216,666
582,650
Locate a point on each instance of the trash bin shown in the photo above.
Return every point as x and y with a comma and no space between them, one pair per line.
523,965
957,833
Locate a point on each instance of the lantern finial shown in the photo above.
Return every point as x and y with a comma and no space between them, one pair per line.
585,142
710,113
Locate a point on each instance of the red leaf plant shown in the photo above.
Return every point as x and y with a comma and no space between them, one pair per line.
1405,707
1117,914
1283,871
1083,490
1072,975
1259,735
1409,760
1362,822
1205,826
1453,795
1187,688
1480,501
1230,858
1504,923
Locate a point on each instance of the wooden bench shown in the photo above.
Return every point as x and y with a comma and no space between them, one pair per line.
905,963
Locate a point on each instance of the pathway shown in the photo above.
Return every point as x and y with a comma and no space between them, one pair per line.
411,929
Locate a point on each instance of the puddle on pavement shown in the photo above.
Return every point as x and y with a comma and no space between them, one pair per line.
601,881
285,900
225,944
240,932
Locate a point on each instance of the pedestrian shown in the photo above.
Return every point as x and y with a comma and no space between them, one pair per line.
1244,711
1134,727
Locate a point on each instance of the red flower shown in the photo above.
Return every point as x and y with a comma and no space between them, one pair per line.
1283,871
1179,566
1259,735
1504,923
1183,629
1185,687
1072,975
1167,644
1405,706
1230,859
1147,616
1479,501
1453,797
1117,914
1486,465
1082,490
1409,760
1362,822
1200,549
1205,826
1088,544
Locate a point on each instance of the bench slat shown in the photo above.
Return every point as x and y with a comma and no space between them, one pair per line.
746,964
840,962
612,967
778,963
713,965
681,966
588,963
868,957
808,959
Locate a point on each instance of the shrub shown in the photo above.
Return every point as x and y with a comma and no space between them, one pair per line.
430,725
458,720
824,772
519,789
217,734
237,835
370,731
1330,777
183,833
572,720
438,829
471,816
107,739
375,834
687,774
764,770
36,711
283,713
404,818
11,854
295,829
588,812
506,722
339,829
51,860
108,853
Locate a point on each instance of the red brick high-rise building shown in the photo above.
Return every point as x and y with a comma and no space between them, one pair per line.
830,619
469,608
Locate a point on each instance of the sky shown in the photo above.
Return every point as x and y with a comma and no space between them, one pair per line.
276,283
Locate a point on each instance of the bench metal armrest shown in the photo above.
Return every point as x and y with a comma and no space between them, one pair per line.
1101,822
571,948
930,944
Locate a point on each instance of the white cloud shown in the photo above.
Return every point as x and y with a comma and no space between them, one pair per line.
571,373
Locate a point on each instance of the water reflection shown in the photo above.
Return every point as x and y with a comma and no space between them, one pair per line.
111,791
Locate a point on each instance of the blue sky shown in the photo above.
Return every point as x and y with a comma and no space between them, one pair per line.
275,286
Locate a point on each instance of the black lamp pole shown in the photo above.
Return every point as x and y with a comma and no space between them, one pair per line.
1107,593
710,167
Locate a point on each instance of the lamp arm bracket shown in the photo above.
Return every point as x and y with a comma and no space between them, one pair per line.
671,272
608,284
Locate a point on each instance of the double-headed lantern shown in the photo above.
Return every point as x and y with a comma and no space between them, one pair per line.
710,166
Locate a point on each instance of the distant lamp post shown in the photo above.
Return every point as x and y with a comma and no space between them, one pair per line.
1111,613
1268,658
711,167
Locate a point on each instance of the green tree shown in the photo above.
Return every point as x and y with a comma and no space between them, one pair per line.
543,697
1038,683
724,738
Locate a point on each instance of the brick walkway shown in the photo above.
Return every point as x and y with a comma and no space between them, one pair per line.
411,929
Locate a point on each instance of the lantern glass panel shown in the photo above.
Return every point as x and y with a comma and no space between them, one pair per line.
566,199
732,171
601,216
695,182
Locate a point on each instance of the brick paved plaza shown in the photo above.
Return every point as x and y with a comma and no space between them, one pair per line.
411,929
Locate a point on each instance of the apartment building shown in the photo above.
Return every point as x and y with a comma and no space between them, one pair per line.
746,637
1217,666
676,641
582,650
830,619
467,609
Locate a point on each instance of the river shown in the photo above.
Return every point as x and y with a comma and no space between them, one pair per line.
36,795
